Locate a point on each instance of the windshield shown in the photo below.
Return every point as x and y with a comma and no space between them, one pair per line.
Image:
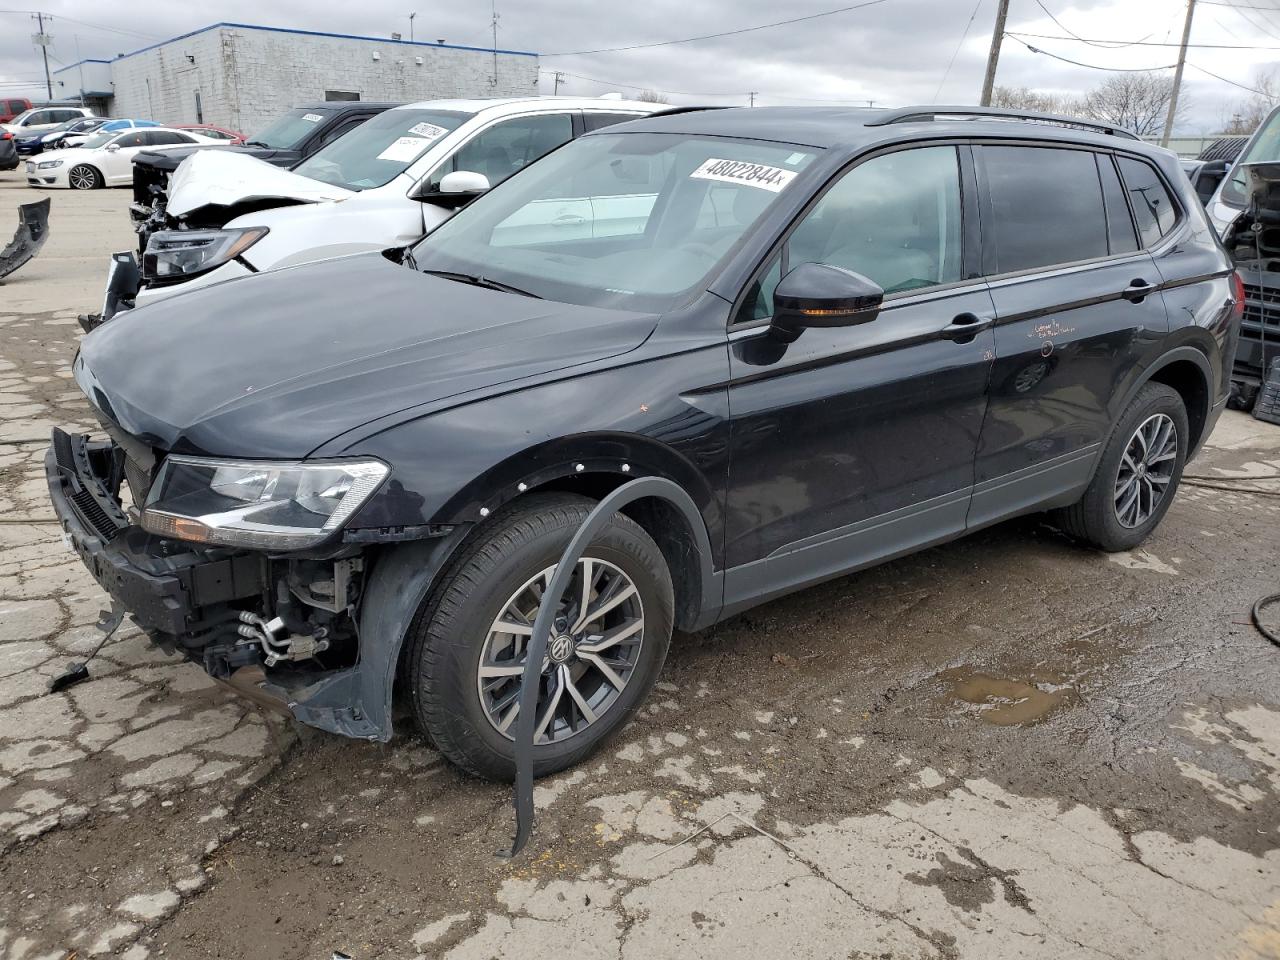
1263,148
633,221
289,131
376,152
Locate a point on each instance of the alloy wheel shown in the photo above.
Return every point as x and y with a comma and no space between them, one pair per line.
81,178
1146,470
592,653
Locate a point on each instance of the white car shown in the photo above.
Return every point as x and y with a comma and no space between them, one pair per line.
386,183
39,119
105,159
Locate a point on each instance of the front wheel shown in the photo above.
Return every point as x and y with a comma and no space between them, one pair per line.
84,177
1137,475
608,642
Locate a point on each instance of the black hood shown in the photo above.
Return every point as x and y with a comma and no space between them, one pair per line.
169,159
273,366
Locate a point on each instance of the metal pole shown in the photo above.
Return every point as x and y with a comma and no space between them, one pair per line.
44,51
1177,75
411,16
752,101
993,57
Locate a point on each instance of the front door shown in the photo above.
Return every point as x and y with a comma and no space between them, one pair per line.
1073,323
853,444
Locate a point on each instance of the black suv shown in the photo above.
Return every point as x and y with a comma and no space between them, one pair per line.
839,336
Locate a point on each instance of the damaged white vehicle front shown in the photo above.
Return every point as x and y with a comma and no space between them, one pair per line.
381,186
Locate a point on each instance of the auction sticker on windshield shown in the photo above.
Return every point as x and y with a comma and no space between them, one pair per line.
428,130
405,149
748,174
312,117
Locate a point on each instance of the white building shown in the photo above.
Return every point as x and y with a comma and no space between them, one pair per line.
242,76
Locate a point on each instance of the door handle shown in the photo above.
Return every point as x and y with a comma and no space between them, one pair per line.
965,327
569,220
1137,290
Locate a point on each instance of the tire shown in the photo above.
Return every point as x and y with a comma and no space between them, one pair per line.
1100,518
84,177
495,568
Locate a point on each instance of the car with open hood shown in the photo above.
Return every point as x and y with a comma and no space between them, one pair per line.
38,142
226,215
829,337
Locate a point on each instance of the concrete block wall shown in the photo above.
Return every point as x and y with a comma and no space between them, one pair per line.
247,77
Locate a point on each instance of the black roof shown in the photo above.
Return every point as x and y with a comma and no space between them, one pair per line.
852,126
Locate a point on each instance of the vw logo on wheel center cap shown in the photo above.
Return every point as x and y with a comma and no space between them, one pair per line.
561,648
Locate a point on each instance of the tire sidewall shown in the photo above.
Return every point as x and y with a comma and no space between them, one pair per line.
464,635
1153,399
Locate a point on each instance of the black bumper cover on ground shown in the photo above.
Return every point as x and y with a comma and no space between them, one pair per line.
33,230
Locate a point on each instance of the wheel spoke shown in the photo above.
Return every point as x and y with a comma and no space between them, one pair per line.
609,674
501,669
1122,490
1123,509
548,712
512,626
614,637
587,713
1157,478
505,723
616,598
586,570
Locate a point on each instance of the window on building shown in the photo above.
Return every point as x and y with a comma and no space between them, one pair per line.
341,95
199,109
1046,206
1152,207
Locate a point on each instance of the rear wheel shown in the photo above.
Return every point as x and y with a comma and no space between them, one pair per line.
607,645
84,177
1137,474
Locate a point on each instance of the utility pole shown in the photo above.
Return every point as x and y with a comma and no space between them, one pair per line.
752,96
559,80
42,41
1177,74
495,43
993,57
411,16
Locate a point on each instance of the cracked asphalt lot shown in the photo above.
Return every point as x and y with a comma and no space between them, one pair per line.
1009,746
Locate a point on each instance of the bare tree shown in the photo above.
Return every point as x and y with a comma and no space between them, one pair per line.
652,96
1024,98
1250,112
1138,101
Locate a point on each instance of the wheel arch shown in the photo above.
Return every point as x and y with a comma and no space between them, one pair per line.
1187,370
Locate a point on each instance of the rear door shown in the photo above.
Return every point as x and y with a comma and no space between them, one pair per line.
117,165
852,444
1074,319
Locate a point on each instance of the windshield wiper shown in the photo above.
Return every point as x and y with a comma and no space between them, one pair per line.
257,143
477,281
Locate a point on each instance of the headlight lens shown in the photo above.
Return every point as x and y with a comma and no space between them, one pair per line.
49,164
175,254
276,506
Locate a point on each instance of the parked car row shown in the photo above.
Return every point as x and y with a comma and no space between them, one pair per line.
829,336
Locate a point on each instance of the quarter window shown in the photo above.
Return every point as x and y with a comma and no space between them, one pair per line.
895,219
1046,207
1152,206
1119,223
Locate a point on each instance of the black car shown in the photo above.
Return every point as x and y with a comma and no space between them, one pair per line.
293,137
8,151
838,336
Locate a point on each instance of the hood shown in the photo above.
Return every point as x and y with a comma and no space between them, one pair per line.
275,365
224,178
64,153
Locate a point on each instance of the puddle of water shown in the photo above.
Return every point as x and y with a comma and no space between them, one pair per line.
1006,702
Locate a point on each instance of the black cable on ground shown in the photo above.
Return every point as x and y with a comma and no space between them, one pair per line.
1257,618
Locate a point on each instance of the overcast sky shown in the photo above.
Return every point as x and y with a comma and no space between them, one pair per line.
895,52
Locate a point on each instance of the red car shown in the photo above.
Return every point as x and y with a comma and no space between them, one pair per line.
10,107
218,133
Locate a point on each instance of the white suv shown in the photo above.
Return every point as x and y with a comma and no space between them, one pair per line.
43,118
386,183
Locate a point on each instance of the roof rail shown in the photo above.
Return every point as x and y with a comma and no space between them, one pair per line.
916,114
692,108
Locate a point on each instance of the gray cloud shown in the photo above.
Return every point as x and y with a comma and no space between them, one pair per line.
893,53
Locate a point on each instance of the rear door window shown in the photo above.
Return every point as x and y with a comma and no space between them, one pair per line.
1120,230
1046,206
594,121
1152,206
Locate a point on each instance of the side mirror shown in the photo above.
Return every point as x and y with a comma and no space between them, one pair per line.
820,295
112,147
456,189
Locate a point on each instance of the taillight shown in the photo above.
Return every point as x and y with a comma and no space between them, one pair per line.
1237,283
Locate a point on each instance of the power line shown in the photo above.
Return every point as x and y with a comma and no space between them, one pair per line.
1147,43
95,26
1248,19
955,53
712,36
1113,45
1233,83
1091,66
697,93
